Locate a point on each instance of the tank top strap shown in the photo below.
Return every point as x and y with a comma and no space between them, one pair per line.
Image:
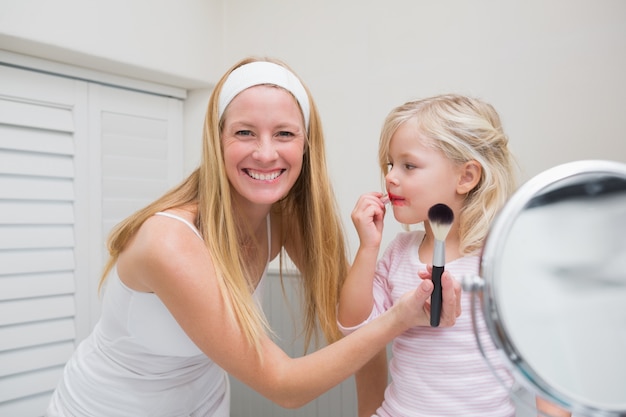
268,223
173,216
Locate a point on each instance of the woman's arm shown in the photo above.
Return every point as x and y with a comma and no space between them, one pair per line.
168,259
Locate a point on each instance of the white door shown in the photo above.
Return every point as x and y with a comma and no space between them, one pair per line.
75,158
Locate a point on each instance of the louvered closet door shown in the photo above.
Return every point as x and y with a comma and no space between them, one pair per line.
40,125
75,158
138,157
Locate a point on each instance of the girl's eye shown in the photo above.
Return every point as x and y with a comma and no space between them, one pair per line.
409,167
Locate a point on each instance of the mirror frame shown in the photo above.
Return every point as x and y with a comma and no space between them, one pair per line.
490,264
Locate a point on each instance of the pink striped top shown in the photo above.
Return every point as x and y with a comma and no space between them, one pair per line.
436,371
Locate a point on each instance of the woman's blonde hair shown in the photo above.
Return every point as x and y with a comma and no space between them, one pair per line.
308,213
463,129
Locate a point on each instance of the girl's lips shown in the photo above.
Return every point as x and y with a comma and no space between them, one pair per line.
395,198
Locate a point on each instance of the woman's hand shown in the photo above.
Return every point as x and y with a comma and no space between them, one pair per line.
367,216
414,306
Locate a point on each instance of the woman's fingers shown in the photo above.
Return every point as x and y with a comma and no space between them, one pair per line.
451,293
426,273
451,307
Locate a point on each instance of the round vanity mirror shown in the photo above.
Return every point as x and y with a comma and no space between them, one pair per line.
553,286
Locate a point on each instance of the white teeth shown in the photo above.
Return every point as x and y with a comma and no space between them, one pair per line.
264,177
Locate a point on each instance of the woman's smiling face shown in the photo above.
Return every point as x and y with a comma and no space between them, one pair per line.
263,136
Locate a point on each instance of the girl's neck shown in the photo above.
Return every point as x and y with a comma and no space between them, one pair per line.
452,244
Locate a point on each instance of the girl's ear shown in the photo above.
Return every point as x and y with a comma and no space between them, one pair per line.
470,174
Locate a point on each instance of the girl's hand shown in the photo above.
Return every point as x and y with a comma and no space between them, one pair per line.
367,216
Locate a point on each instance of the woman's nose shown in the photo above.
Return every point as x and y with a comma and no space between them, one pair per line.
266,150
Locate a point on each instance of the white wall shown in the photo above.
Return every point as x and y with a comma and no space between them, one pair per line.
554,70
171,42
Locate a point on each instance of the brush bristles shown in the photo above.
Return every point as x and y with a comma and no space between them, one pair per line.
440,217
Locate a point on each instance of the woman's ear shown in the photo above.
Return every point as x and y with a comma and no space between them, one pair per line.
469,177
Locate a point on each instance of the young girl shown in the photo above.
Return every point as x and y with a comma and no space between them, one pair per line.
447,149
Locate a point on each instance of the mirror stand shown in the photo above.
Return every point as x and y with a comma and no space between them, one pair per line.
474,284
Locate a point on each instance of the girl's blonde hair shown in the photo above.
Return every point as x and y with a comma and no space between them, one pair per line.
463,129
308,213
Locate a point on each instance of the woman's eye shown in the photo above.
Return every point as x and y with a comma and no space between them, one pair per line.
243,133
285,134
409,167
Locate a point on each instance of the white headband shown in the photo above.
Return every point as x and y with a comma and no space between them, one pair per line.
262,72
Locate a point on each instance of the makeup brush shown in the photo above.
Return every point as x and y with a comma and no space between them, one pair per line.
440,217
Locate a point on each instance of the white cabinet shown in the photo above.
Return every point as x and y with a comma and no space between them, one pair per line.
76,157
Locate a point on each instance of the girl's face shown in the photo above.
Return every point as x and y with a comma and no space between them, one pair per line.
264,139
419,176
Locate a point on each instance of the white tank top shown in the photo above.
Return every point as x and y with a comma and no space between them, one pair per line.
139,362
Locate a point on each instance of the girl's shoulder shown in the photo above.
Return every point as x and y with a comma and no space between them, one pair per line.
405,242
406,239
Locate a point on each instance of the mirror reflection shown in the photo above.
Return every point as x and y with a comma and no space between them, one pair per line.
559,288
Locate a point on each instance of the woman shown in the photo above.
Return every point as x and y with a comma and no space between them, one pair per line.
180,312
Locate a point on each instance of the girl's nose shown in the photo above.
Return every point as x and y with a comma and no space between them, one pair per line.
390,178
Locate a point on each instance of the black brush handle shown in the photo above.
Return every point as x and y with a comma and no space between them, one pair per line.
436,299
